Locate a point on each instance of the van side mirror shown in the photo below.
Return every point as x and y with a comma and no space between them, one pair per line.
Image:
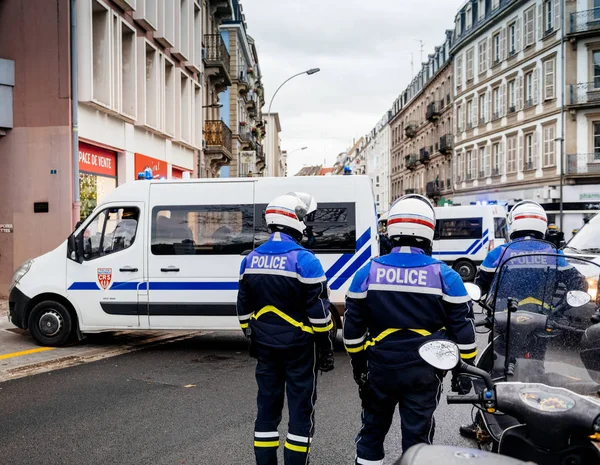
75,248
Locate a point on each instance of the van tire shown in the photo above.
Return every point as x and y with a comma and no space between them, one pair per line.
466,269
51,324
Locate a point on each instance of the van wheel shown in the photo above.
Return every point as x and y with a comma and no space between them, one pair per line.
465,269
50,323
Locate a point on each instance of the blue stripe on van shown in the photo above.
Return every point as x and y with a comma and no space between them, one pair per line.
84,286
485,241
338,265
128,286
360,261
362,240
193,286
473,248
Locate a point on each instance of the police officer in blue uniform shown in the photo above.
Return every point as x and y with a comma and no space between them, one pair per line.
283,308
395,304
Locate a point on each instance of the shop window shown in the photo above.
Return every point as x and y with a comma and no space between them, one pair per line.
128,70
332,229
111,231
101,53
202,230
170,97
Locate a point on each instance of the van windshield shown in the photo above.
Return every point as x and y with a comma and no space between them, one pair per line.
587,239
500,229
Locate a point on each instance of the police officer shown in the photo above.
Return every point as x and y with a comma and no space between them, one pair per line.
395,304
283,308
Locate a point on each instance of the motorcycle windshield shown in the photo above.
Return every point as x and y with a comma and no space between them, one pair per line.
545,327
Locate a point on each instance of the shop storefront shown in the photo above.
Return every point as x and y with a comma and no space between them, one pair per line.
177,173
97,175
143,163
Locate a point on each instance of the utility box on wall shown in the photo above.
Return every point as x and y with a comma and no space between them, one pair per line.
7,82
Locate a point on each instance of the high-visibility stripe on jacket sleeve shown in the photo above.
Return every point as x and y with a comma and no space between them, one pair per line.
321,325
355,345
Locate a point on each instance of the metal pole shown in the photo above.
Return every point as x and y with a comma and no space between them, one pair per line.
74,116
562,109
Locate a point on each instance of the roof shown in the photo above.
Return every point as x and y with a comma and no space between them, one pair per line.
325,171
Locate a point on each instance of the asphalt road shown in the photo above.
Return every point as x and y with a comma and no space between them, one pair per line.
190,401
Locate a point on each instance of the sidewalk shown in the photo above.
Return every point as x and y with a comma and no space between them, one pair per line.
3,308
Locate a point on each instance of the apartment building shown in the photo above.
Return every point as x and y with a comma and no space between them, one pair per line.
376,153
422,130
243,100
143,95
515,79
275,158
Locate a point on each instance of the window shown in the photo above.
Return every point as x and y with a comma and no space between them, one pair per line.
470,114
549,145
185,109
111,231
528,161
496,47
496,159
511,143
460,119
469,162
166,23
128,70
169,100
548,16
482,162
101,52
183,45
529,89
331,230
495,4
468,18
202,230
197,41
511,96
529,26
481,9
153,93
549,79
470,64
512,38
482,56
596,140
596,58
460,228
482,109
496,102
500,228
459,71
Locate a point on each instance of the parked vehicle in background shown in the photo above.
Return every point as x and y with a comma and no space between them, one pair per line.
165,255
587,240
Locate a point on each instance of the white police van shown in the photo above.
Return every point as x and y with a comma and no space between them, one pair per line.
165,255
465,234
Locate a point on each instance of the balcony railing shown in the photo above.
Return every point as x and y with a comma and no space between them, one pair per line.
585,92
410,191
410,130
217,134
584,163
411,162
446,143
433,112
584,21
424,156
433,189
216,54
448,183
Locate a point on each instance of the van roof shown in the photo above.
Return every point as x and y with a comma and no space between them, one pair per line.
139,189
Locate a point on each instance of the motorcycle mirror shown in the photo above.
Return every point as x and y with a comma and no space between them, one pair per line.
578,298
440,354
473,290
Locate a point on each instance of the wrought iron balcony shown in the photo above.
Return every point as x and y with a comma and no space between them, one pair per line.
221,8
218,143
585,21
217,61
446,143
433,189
410,130
433,112
411,162
424,156
584,163
585,93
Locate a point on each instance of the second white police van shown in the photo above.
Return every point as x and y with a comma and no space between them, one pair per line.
165,255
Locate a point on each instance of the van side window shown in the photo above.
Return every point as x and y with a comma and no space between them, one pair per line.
331,229
202,230
459,228
112,230
500,228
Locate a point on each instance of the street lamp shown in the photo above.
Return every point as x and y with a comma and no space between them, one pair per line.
308,72
294,151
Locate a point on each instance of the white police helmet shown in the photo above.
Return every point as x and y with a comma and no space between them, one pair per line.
290,211
527,216
412,215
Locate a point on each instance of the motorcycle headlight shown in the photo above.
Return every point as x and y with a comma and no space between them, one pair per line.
21,271
592,288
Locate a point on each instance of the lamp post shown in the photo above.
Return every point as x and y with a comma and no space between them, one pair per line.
308,72
297,150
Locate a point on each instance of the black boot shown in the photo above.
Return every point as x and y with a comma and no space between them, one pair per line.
469,431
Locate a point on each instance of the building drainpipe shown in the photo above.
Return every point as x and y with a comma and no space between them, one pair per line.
74,116
562,108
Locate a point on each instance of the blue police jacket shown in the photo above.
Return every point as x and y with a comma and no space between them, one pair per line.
283,295
397,302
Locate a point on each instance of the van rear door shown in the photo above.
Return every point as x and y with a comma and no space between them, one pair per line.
198,234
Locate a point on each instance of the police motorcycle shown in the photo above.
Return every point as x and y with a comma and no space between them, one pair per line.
543,356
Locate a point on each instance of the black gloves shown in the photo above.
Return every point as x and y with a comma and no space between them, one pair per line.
250,339
461,384
325,360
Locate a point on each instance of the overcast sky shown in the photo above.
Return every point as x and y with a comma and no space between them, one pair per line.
364,52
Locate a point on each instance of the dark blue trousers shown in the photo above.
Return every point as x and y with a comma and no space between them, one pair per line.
279,372
416,391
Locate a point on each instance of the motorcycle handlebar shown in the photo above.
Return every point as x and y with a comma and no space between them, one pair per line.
468,399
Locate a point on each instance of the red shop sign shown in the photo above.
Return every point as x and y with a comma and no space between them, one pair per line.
158,167
97,160
177,173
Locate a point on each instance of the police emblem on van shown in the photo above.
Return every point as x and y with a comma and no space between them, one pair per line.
104,277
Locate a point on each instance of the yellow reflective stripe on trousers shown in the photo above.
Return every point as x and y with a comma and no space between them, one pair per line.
469,355
266,443
296,448
243,325
289,319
